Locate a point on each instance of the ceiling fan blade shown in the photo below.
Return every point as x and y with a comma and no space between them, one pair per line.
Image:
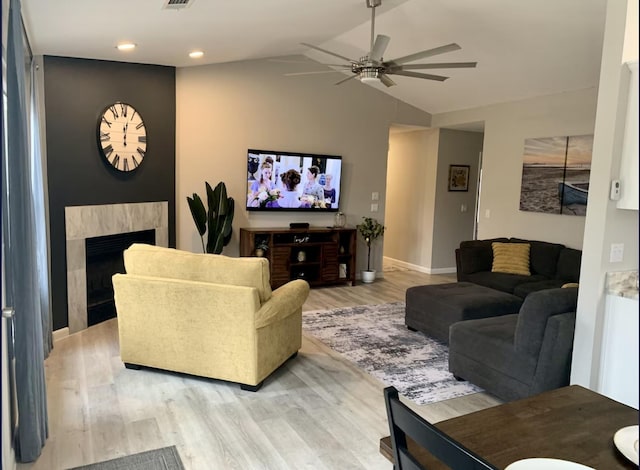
345,80
379,47
443,65
386,80
310,73
328,52
420,75
428,53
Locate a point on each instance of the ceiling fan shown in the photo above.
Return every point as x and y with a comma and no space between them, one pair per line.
372,68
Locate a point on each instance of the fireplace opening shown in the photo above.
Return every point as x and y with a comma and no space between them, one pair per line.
104,259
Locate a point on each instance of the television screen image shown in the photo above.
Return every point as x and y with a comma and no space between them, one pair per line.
285,181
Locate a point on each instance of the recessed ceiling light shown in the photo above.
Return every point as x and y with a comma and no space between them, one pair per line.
126,46
196,54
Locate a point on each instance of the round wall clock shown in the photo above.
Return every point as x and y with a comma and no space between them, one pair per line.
122,136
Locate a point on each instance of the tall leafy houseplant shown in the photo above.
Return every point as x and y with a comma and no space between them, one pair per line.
370,230
216,220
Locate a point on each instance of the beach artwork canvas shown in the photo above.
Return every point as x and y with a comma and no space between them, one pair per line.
555,174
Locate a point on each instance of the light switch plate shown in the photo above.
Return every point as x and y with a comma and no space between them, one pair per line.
616,254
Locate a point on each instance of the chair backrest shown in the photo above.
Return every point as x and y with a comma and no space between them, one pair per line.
404,422
150,260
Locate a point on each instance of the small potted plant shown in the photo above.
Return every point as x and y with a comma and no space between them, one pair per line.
261,248
370,230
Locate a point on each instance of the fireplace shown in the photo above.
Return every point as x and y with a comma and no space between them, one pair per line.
104,259
86,222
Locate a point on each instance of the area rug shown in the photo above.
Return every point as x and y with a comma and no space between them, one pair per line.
376,339
166,458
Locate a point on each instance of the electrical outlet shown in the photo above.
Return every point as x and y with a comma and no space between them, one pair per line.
374,207
375,196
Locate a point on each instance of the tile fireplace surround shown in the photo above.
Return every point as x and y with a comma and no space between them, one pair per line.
82,222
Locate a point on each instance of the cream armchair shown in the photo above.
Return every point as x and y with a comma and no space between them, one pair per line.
206,315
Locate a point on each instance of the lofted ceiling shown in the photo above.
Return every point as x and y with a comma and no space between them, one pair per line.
523,49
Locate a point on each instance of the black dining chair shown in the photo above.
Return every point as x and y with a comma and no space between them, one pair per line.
404,422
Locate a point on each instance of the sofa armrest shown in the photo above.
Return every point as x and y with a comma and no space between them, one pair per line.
554,363
534,315
284,301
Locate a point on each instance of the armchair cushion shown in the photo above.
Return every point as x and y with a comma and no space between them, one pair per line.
150,260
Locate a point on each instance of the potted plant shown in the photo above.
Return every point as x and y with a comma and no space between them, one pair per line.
261,248
370,230
216,220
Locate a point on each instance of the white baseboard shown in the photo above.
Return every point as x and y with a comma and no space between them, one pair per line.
415,267
61,333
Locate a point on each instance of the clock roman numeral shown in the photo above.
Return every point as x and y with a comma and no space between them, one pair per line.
104,119
141,152
116,161
125,164
104,136
123,109
114,111
133,115
140,125
136,163
107,150
142,138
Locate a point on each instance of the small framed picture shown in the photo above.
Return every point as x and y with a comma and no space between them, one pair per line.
458,177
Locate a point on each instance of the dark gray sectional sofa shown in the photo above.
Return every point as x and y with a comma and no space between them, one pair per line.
552,265
519,355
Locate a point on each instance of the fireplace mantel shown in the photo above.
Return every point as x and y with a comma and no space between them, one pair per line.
82,222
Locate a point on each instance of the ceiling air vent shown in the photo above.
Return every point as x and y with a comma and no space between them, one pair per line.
177,4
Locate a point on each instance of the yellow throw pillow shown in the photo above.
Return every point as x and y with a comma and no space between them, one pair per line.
570,284
511,258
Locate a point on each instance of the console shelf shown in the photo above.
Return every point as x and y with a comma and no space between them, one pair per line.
321,256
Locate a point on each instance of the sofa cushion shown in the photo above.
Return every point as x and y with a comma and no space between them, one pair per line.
543,256
491,341
502,281
150,260
526,288
474,259
511,258
569,265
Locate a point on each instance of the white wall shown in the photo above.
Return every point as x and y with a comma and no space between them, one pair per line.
222,110
506,128
411,189
605,224
451,225
424,220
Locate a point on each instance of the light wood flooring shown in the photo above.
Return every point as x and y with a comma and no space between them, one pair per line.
316,412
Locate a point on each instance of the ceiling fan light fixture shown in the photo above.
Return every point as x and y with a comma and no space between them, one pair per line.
126,46
369,76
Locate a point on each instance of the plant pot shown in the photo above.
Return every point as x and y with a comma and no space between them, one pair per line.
368,276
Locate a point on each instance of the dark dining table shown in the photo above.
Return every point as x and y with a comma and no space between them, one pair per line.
569,423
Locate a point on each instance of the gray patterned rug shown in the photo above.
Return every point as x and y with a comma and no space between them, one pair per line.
376,339
166,458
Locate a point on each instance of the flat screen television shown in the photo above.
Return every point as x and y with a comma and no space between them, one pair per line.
287,181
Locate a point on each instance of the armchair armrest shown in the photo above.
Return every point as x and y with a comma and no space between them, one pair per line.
284,301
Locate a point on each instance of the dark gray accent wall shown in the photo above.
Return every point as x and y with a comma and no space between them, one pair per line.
76,92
